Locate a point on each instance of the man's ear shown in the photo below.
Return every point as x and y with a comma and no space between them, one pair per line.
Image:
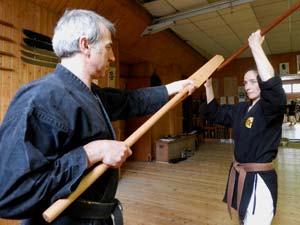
84,46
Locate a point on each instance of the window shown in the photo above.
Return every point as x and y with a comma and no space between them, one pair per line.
291,88
296,88
291,83
287,88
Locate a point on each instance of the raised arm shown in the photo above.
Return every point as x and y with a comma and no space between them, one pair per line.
209,91
264,67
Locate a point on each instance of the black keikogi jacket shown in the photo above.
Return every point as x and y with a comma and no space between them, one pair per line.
256,134
42,137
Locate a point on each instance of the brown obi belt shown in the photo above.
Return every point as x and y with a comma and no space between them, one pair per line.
242,169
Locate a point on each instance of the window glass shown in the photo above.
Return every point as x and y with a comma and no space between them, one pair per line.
296,88
287,88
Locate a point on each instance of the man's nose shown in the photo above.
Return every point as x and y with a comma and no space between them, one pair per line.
112,57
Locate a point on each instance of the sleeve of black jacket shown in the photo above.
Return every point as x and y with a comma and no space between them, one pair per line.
32,176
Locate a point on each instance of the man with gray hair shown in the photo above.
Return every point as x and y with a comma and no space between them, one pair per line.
58,128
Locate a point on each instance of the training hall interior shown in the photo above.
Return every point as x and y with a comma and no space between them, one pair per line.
178,171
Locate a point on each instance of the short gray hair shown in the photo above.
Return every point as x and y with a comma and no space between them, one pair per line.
73,25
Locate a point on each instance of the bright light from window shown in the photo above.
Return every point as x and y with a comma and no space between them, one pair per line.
296,88
287,88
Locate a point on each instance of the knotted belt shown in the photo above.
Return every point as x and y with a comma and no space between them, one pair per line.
84,209
242,169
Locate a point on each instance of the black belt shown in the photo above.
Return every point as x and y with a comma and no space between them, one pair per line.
84,209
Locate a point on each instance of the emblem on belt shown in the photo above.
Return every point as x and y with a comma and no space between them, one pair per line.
249,122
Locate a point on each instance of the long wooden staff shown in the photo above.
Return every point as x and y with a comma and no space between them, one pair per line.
199,77
60,205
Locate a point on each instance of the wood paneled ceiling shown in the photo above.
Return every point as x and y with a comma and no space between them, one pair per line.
220,32
226,30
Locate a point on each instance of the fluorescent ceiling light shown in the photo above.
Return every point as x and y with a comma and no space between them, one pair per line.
165,22
157,27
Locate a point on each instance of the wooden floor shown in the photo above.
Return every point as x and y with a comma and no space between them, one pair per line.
190,192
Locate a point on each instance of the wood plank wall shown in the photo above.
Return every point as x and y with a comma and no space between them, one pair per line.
16,15
14,73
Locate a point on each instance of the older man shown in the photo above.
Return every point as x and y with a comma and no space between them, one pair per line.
58,127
